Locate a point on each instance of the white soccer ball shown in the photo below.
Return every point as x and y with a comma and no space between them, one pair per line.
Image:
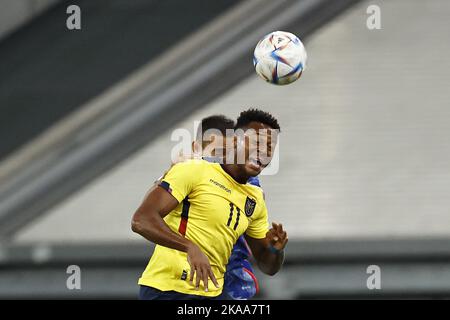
279,58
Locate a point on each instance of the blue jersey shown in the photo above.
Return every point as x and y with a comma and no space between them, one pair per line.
254,181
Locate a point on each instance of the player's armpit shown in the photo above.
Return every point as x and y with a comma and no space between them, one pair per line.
160,200
148,220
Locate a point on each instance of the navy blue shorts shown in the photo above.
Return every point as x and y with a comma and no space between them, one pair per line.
149,293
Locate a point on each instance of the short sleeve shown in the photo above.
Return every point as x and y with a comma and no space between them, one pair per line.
182,177
259,226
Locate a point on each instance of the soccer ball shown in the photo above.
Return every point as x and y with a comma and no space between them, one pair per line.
279,58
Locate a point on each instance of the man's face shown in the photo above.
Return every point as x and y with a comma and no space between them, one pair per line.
251,147
259,141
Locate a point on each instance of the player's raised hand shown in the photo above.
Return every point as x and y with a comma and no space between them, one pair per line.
277,236
200,267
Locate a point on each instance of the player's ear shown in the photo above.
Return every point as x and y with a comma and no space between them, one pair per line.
196,148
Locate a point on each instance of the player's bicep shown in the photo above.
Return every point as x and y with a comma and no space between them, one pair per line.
158,200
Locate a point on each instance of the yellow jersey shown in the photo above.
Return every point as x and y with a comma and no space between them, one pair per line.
213,212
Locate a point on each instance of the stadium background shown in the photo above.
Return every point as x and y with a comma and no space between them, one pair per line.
87,115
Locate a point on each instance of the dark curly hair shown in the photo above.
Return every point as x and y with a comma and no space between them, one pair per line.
257,115
217,122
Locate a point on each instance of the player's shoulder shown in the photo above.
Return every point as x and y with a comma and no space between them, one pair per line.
189,168
256,185
255,191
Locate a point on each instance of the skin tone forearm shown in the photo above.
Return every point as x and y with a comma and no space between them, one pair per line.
270,263
269,252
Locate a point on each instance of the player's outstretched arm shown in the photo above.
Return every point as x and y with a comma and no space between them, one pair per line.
269,251
148,222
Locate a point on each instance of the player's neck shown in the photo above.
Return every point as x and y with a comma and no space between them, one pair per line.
235,173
